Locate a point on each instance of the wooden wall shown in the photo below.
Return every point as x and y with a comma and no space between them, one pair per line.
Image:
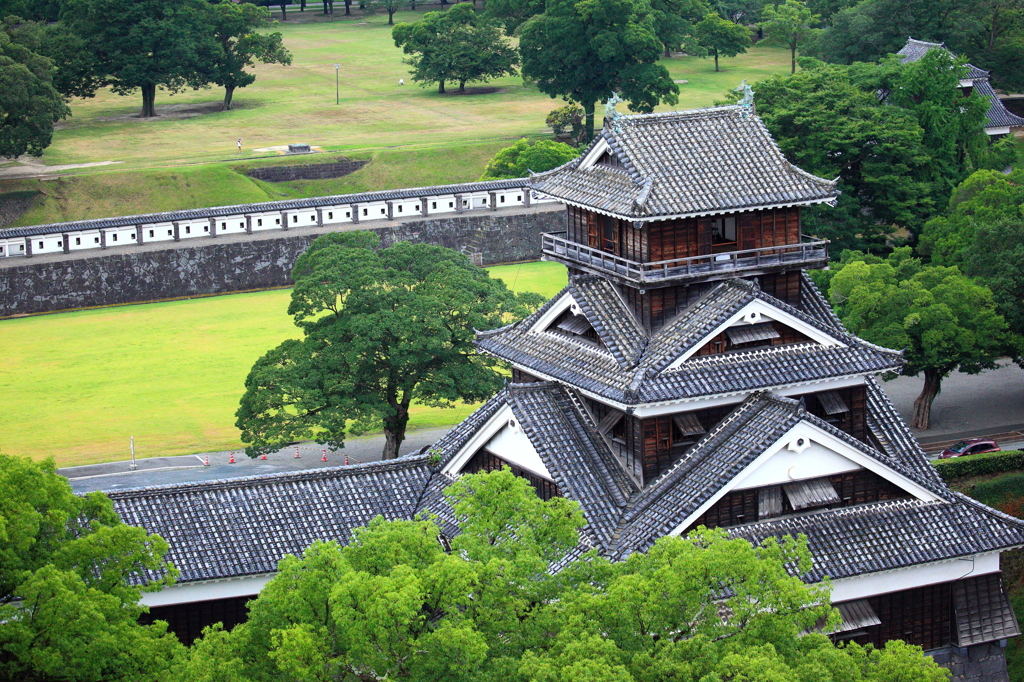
920,616
773,227
852,422
187,621
484,460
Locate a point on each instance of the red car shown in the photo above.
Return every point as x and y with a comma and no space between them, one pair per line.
970,446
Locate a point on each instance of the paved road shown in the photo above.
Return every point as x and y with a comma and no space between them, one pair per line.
991,403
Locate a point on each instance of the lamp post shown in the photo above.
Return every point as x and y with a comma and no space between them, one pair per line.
337,96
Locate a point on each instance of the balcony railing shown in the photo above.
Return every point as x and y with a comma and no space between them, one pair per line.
710,266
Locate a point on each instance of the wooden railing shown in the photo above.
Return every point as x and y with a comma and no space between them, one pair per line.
806,252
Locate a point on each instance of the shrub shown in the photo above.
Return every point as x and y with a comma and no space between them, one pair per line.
979,465
522,157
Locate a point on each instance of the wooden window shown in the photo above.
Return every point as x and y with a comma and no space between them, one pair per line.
485,460
921,617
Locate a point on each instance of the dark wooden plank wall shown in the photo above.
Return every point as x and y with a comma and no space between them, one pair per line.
856,487
784,286
787,335
657,307
521,377
921,616
852,422
773,227
187,621
484,460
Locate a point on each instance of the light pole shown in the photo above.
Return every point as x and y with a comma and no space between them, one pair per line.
337,96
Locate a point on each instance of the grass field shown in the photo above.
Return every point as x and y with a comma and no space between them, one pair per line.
413,135
76,385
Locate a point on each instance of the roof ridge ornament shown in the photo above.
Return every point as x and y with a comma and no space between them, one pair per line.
610,114
747,101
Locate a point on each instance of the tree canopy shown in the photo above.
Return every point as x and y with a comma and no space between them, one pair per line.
996,259
392,604
146,44
675,23
942,319
381,328
518,160
787,24
585,51
234,28
71,574
29,103
459,45
721,37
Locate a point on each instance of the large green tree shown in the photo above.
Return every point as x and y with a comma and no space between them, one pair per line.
675,22
460,45
381,328
76,72
788,24
29,103
721,37
146,44
71,575
943,320
585,50
235,28
394,605
518,160
996,259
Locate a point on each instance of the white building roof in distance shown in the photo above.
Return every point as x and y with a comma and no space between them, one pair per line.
683,163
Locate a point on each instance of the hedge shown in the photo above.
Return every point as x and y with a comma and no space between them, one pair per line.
978,465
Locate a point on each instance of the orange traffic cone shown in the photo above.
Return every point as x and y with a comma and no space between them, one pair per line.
263,456
207,462
324,458
296,452
346,459
232,459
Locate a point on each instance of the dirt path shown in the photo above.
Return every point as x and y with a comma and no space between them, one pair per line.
32,167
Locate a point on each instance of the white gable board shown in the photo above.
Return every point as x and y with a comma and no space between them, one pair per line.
566,302
805,452
503,435
758,312
600,147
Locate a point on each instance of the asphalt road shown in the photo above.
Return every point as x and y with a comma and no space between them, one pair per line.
989,403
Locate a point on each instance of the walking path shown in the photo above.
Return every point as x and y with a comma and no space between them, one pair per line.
989,404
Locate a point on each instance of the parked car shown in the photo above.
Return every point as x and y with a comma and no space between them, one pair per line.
970,446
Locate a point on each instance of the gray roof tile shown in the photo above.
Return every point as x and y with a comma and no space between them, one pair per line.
686,163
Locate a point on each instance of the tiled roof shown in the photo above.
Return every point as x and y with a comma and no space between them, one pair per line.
572,451
244,526
685,163
882,536
450,444
982,612
997,115
712,462
611,319
241,209
647,379
893,435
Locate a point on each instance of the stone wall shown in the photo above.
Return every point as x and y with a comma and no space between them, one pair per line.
245,262
978,663
313,171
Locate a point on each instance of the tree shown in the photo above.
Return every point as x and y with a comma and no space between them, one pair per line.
76,72
518,160
71,575
827,124
389,6
235,29
996,258
29,103
146,44
381,329
567,119
787,24
511,14
943,320
722,37
674,22
744,12
585,51
458,45
393,605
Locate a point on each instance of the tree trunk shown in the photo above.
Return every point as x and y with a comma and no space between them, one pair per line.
391,14
348,5
148,101
302,5
588,109
440,87
792,59
923,404
412,5
667,53
229,92
325,8
716,60
462,86
284,12
394,431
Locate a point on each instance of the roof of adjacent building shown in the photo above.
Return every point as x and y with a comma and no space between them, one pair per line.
632,367
997,115
685,163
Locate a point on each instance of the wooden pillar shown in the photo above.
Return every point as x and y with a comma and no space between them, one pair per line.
66,241
28,247
103,236
284,220
458,203
355,213
391,209
423,206
319,217
494,200
526,196
138,235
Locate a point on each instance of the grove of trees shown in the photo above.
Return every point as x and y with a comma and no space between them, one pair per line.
381,328
523,157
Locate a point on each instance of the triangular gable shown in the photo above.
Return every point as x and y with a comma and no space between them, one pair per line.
600,148
754,313
804,453
503,436
564,302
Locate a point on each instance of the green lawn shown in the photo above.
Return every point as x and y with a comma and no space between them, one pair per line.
413,135
76,385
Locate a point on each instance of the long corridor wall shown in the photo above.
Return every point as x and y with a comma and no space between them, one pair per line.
185,269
